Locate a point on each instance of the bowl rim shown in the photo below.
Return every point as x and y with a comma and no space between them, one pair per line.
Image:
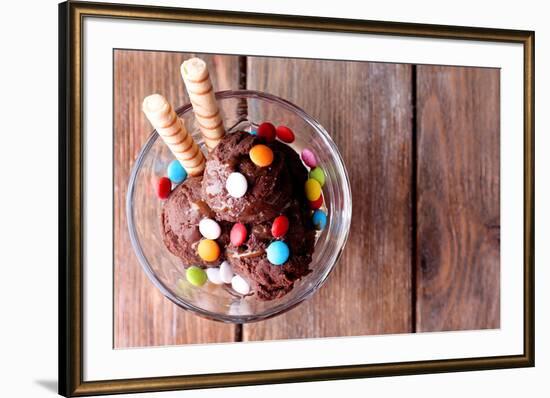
277,309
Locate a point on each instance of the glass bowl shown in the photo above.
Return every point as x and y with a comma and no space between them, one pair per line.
241,110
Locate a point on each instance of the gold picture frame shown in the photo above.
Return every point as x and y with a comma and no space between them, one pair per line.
71,15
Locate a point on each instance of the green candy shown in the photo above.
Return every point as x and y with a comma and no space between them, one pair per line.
318,174
196,276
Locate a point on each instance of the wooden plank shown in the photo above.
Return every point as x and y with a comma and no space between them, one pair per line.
458,234
366,107
143,317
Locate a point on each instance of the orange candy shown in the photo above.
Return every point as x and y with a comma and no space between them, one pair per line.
208,250
261,155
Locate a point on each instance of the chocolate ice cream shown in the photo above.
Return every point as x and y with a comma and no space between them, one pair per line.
269,188
272,191
270,281
180,219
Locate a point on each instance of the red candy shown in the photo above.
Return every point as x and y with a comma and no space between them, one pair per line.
285,134
238,234
267,131
164,187
279,227
316,204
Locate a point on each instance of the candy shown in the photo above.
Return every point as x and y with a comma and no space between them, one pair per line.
267,131
279,227
277,252
318,174
209,228
176,172
309,158
313,189
195,276
214,276
164,187
316,204
236,185
240,285
208,250
238,233
285,134
319,219
261,155
253,132
226,272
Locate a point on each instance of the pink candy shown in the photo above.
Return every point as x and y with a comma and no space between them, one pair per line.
309,158
238,234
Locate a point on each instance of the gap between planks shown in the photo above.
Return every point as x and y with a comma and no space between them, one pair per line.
413,200
243,109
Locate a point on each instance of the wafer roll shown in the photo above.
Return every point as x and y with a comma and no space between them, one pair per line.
201,93
174,134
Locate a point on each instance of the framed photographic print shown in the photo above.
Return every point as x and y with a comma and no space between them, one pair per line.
251,198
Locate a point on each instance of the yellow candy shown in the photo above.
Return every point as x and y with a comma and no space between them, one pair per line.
208,250
313,189
261,155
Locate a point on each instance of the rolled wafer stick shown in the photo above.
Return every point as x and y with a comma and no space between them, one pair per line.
197,170
201,93
172,131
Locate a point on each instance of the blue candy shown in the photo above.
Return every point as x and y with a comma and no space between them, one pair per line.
277,252
253,132
176,172
319,219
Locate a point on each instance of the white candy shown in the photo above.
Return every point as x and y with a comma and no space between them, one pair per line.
236,185
214,276
226,272
240,285
209,228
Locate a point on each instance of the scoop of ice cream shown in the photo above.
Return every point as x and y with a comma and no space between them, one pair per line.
249,260
270,188
274,190
181,214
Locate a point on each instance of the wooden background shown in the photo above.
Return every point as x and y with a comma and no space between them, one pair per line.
421,145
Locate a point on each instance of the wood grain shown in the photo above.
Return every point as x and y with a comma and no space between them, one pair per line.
458,211
366,107
143,317
421,145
